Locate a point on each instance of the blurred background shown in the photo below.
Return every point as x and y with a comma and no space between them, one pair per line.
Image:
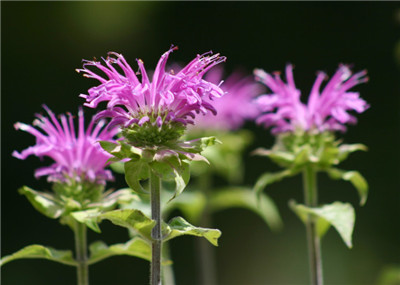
44,42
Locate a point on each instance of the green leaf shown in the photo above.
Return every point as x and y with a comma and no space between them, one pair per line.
88,217
40,251
269,178
134,247
173,168
114,198
197,145
346,149
340,215
118,167
355,178
135,171
245,198
132,219
178,227
43,202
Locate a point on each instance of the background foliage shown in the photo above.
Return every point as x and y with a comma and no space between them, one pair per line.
43,42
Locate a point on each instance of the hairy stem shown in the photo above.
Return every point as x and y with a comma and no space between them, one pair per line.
81,254
155,189
313,240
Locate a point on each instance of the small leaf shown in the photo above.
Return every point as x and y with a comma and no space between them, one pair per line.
346,149
245,198
43,202
134,247
355,178
109,146
40,251
88,217
197,145
118,167
132,219
269,178
340,215
178,227
135,171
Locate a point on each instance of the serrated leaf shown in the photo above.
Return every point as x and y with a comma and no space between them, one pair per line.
355,178
135,247
41,252
88,217
132,219
269,178
178,227
340,215
43,202
135,171
241,197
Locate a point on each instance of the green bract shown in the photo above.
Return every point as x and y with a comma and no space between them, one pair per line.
295,151
170,162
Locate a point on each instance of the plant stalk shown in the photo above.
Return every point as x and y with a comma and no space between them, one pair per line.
155,197
313,240
81,254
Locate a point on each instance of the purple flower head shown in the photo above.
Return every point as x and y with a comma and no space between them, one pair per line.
77,156
167,99
235,106
326,110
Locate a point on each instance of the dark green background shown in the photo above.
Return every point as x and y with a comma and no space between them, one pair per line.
43,42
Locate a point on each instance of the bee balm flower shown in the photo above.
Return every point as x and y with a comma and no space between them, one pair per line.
325,110
236,106
156,112
77,156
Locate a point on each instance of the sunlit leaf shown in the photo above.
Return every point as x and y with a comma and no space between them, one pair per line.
178,227
88,217
135,247
132,219
43,202
340,215
41,252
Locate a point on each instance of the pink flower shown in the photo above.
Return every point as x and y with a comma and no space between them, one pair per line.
167,98
76,156
236,106
325,110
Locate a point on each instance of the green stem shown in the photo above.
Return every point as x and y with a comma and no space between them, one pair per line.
313,240
81,254
205,253
155,189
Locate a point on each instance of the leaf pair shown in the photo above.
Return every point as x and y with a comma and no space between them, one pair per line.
97,252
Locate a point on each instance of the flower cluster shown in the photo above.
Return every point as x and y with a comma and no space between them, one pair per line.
235,106
151,113
77,156
326,110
